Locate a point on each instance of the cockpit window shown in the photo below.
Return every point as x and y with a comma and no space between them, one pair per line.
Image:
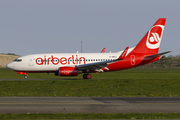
18,60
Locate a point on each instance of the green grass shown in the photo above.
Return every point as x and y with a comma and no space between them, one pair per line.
132,82
92,116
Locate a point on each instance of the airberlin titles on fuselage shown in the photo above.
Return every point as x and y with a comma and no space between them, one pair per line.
63,60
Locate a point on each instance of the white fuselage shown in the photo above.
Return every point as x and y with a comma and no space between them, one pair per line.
51,62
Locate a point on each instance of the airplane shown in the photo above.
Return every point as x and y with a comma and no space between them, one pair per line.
72,64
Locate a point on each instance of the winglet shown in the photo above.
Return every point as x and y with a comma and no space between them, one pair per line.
123,55
103,50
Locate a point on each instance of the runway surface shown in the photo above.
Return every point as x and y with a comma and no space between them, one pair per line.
89,104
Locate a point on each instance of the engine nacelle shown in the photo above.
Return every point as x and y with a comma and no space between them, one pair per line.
66,71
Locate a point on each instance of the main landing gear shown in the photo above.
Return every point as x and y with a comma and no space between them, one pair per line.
87,76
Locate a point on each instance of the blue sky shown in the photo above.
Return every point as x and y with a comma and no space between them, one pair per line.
59,26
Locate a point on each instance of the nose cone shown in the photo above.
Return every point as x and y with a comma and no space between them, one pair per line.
10,65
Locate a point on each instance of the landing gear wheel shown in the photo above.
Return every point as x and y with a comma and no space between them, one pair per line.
87,76
25,77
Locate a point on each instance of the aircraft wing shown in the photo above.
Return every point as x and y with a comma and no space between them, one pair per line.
98,65
94,66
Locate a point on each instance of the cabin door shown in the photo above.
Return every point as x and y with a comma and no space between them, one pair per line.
31,62
132,59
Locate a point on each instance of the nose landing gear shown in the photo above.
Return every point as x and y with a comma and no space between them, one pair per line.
23,73
25,77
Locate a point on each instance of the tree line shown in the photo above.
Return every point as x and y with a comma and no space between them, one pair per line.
165,62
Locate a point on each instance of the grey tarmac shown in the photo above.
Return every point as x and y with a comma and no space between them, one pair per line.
89,104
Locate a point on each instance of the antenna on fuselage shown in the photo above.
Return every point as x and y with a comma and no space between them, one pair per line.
81,46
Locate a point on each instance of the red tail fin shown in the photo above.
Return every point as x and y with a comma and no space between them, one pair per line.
151,41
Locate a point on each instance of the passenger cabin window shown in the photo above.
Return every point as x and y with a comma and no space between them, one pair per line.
18,60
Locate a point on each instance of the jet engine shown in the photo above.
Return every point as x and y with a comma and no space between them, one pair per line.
66,71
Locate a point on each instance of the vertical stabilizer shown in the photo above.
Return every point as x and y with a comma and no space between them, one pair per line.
150,43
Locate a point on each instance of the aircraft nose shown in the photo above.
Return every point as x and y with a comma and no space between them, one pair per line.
10,65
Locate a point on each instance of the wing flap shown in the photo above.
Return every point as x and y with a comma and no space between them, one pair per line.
93,66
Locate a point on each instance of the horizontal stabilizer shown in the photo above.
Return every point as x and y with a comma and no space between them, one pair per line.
157,55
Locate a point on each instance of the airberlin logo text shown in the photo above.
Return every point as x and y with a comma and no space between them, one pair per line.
63,60
154,37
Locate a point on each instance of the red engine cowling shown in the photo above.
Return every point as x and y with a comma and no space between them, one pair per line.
67,71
